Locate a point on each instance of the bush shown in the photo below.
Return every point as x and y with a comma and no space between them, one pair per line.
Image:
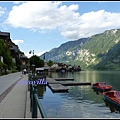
13,71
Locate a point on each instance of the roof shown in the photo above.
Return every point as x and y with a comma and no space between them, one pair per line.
39,68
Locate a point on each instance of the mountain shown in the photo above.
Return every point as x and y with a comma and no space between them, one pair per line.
100,51
61,53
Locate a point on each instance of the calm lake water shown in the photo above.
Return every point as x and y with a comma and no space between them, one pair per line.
80,101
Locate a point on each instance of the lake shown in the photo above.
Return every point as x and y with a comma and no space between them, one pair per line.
80,101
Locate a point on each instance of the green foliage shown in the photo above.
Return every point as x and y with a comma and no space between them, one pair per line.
49,63
3,65
18,64
5,52
36,61
14,70
8,65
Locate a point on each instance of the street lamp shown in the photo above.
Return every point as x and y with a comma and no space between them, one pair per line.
33,65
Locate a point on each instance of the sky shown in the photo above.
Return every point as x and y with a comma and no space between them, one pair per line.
44,25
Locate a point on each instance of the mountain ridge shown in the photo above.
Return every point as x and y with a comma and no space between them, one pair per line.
99,51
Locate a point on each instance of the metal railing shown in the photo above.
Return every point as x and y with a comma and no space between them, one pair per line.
34,100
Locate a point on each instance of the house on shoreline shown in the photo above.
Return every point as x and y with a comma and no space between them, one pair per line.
14,50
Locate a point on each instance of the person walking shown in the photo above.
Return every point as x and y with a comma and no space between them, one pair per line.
25,71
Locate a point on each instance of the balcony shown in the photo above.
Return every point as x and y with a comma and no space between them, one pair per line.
14,48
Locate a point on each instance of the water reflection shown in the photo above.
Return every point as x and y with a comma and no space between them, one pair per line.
80,101
41,90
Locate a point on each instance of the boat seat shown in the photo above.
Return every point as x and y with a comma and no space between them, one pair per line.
118,95
103,84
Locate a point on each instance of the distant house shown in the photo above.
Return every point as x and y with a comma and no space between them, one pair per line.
55,65
24,60
6,37
13,48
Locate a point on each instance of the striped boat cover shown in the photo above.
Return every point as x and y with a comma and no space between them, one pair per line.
102,84
118,94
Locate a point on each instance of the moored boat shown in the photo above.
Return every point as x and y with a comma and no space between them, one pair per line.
101,87
112,100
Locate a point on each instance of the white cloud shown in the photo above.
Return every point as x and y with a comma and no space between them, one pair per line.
36,53
40,53
2,11
104,1
91,23
17,42
18,2
46,15
27,54
42,16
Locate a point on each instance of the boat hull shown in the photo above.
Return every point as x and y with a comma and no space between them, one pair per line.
112,104
100,89
112,100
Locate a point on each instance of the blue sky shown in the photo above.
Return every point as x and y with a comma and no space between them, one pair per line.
44,25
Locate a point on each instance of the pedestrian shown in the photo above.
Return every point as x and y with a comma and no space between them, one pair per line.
25,71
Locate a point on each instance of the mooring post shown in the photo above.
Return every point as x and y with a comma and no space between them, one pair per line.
34,112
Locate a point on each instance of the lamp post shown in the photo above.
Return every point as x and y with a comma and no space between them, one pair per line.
33,60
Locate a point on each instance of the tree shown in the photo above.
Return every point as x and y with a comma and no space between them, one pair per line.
36,61
3,66
50,62
19,64
5,52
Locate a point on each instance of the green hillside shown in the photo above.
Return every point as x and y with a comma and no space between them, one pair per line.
100,51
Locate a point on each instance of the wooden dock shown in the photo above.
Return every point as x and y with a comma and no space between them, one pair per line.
60,86
52,81
75,83
63,79
56,86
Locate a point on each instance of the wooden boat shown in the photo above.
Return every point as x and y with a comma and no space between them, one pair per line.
112,100
101,87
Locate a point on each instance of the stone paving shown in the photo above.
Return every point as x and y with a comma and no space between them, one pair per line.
14,103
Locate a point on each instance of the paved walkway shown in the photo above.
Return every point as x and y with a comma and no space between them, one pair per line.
16,102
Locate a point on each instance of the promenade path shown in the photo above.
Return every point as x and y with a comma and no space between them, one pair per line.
14,96
7,80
